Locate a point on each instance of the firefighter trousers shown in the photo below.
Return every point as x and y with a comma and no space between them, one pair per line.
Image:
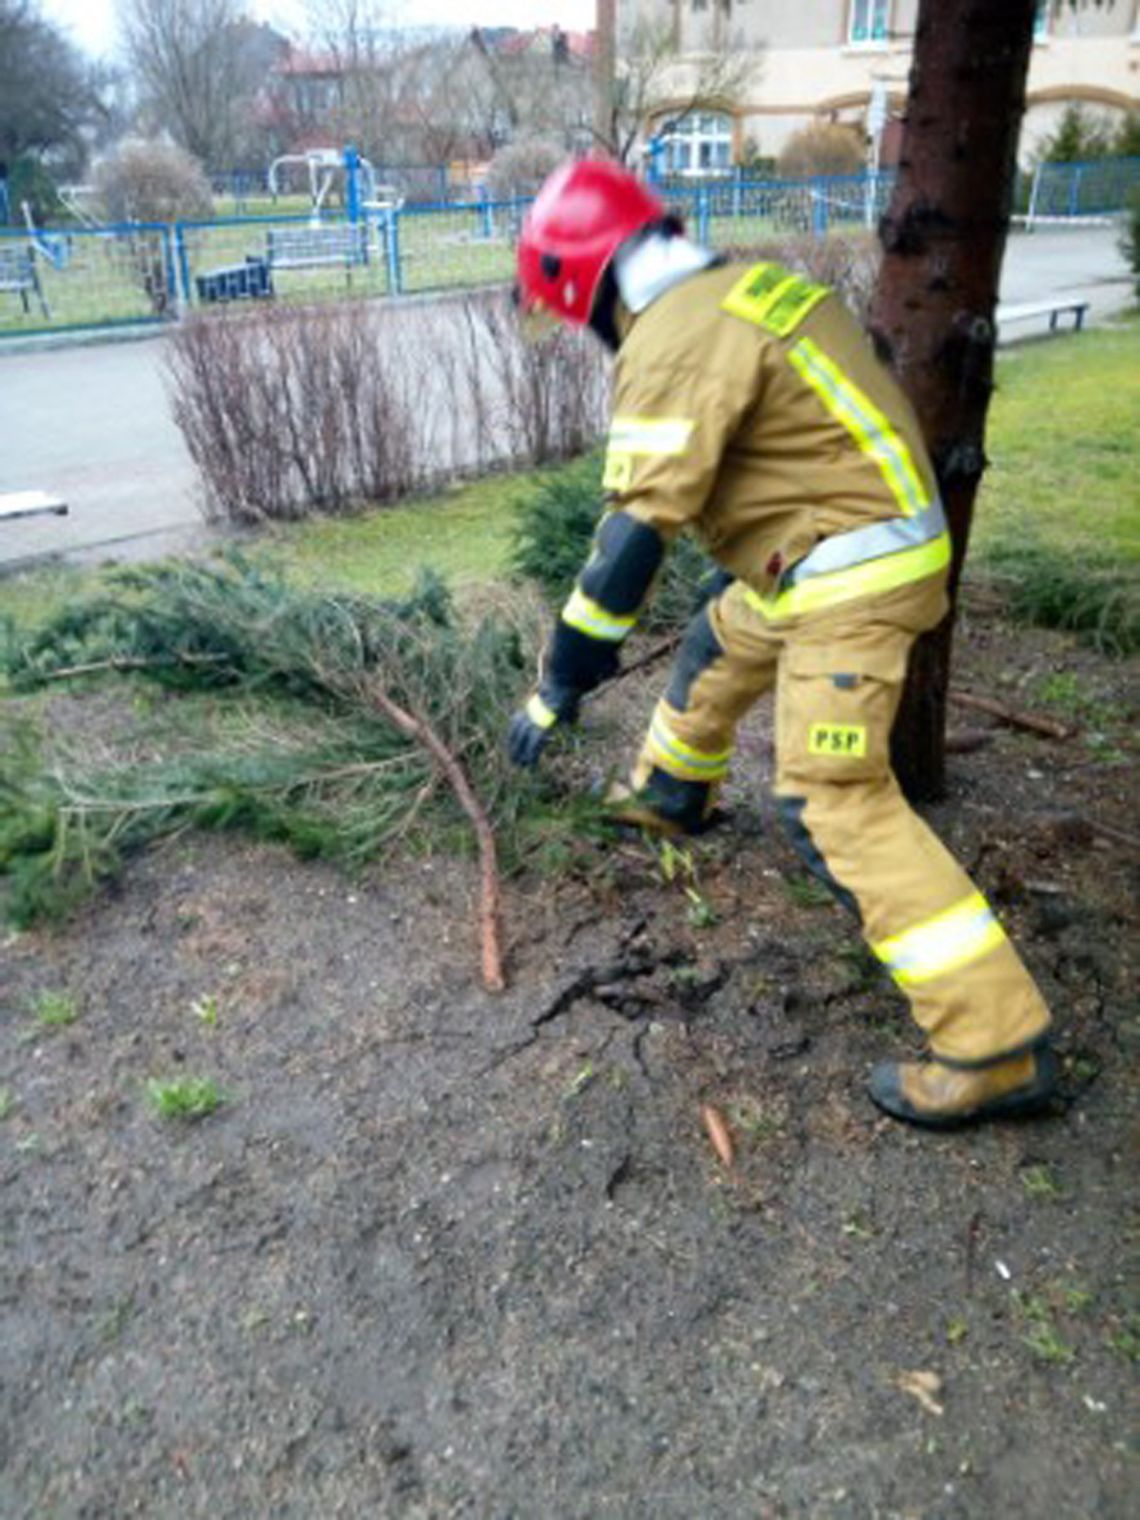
838,682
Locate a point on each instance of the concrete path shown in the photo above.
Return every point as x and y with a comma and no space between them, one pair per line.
92,424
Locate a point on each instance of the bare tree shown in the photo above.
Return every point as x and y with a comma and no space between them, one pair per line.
197,71
654,79
932,317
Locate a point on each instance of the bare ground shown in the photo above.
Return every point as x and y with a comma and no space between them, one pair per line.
443,1254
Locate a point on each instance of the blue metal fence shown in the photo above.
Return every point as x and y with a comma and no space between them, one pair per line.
1097,188
79,277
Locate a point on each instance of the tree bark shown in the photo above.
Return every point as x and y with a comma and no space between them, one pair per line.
932,317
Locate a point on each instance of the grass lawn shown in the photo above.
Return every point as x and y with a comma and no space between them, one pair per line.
463,534
1064,448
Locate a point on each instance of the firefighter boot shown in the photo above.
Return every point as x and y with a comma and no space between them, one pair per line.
938,1096
664,805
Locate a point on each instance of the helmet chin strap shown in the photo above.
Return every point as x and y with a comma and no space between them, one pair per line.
646,267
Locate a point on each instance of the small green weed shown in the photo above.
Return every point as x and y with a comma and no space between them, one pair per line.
1041,1335
857,1225
1076,1299
676,864
1126,1341
702,914
7,1104
205,1009
184,1097
54,1010
1039,1182
1046,1345
806,892
957,1330
581,1080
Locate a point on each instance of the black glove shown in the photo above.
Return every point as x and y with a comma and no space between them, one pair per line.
530,728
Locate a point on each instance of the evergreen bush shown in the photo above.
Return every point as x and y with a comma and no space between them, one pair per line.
554,526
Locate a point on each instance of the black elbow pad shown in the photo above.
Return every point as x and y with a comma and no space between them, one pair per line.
627,555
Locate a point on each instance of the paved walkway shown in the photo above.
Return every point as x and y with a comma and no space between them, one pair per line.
92,423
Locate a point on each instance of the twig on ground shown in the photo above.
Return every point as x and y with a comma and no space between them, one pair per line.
1118,836
421,732
657,652
130,662
1051,728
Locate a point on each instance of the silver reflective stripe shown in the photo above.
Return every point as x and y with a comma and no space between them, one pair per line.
843,550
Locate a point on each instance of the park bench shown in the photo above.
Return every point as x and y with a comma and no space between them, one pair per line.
1055,307
18,274
317,247
30,504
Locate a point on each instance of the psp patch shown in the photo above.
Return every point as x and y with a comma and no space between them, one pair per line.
843,740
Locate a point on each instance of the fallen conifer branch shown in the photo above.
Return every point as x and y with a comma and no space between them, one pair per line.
1051,728
374,703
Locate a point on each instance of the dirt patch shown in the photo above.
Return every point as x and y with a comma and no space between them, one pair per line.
440,1254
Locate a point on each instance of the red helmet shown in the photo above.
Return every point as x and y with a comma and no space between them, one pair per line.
581,216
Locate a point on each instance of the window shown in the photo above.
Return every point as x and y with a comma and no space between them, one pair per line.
1041,20
700,143
868,21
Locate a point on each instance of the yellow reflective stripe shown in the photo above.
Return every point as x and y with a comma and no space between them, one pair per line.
591,618
650,435
681,759
874,576
773,298
944,943
870,429
539,714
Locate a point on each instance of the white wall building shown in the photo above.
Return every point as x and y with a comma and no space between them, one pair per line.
794,61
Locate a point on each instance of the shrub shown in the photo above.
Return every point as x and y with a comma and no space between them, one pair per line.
553,530
822,148
540,401
296,410
521,166
291,410
1079,137
142,181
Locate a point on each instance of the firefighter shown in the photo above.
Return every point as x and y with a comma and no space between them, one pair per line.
750,410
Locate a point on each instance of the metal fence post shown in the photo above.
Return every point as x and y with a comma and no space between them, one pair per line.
392,250
818,209
183,258
1075,190
169,271
703,215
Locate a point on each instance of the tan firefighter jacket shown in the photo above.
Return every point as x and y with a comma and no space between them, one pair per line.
750,409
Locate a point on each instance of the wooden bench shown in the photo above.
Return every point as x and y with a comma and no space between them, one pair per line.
30,504
18,273
1054,308
317,247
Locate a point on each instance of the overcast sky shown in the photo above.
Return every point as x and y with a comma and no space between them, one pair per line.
91,23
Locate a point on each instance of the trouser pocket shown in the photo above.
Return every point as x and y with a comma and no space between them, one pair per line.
835,706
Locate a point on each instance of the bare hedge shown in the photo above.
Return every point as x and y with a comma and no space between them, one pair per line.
288,411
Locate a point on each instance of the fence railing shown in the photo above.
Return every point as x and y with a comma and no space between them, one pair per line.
133,273
1096,189
79,278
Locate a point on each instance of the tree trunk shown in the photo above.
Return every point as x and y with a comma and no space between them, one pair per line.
932,318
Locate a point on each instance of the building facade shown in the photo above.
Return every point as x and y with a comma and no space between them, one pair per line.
763,69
